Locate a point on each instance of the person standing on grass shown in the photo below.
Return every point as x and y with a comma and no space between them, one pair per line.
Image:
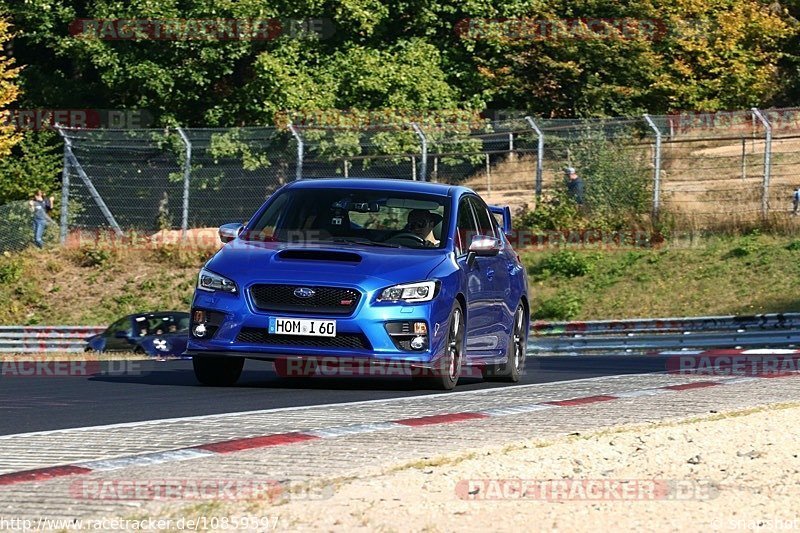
574,185
40,207
796,201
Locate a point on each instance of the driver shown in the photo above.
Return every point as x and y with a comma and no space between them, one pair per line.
421,223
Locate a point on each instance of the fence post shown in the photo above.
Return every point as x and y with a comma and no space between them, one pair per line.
187,170
300,148
744,158
656,167
423,164
88,182
767,160
539,156
64,193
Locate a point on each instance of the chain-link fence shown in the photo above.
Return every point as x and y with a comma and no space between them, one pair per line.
16,227
695,169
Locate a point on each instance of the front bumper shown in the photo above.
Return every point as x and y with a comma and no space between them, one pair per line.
368,322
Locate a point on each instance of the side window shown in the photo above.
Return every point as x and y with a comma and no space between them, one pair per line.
265,227
485,226
465,227
123,324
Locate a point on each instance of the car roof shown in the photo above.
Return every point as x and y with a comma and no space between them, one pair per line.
384,184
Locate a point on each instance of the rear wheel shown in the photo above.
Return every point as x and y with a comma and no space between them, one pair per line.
217,371
445,374
517,347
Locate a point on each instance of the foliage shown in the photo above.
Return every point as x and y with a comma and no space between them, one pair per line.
35,163
10,270
404,55
563,305
9,90
684,55
564,263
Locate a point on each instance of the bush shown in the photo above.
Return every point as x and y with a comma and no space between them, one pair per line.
93,257
564,263
747,246
10,271
563,306
617,187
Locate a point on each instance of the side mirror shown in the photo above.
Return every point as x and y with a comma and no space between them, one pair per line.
483,246
121,334
228,232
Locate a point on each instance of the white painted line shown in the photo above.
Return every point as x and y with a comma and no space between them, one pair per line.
769,351
355,429
146,459
307,407
516,409
640,393
733,381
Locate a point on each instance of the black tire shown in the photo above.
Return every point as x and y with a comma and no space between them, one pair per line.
446,373
517,348
217,371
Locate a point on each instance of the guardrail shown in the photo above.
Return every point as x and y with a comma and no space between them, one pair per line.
767,331
764,331
44,339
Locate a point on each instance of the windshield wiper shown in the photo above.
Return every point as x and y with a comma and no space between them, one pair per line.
350,240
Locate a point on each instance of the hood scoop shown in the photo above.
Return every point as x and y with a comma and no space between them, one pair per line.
318,255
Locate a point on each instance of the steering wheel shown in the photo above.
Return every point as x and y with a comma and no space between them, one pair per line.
407,235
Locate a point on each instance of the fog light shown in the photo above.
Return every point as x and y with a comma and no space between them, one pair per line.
418,343
200,330
420,328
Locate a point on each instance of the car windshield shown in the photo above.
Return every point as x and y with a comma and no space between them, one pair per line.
145,325
353,217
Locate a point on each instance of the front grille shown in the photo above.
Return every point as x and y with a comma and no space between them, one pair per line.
354,341
326,300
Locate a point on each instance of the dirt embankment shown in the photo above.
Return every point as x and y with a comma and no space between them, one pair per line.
736,472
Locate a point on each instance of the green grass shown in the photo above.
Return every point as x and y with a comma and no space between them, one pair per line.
713,276
733,275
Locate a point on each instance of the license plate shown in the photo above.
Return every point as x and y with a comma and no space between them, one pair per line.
300,326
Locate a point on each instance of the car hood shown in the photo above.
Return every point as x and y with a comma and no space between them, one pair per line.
247,262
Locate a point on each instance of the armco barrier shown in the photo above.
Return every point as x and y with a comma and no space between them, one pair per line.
608,336
43,339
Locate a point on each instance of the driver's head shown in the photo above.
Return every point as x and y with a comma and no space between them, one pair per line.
421,222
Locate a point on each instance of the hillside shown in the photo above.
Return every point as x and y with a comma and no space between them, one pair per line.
754,274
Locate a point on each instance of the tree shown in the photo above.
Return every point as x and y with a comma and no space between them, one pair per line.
32,164
9,91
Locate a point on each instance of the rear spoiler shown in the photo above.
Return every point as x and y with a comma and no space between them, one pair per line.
505,213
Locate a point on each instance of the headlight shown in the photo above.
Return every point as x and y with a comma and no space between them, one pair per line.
208,281
162,345
423,291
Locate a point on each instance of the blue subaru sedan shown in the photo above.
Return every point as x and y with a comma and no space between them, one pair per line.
363,274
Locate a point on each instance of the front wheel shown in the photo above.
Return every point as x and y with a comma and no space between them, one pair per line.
217,371
445,375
